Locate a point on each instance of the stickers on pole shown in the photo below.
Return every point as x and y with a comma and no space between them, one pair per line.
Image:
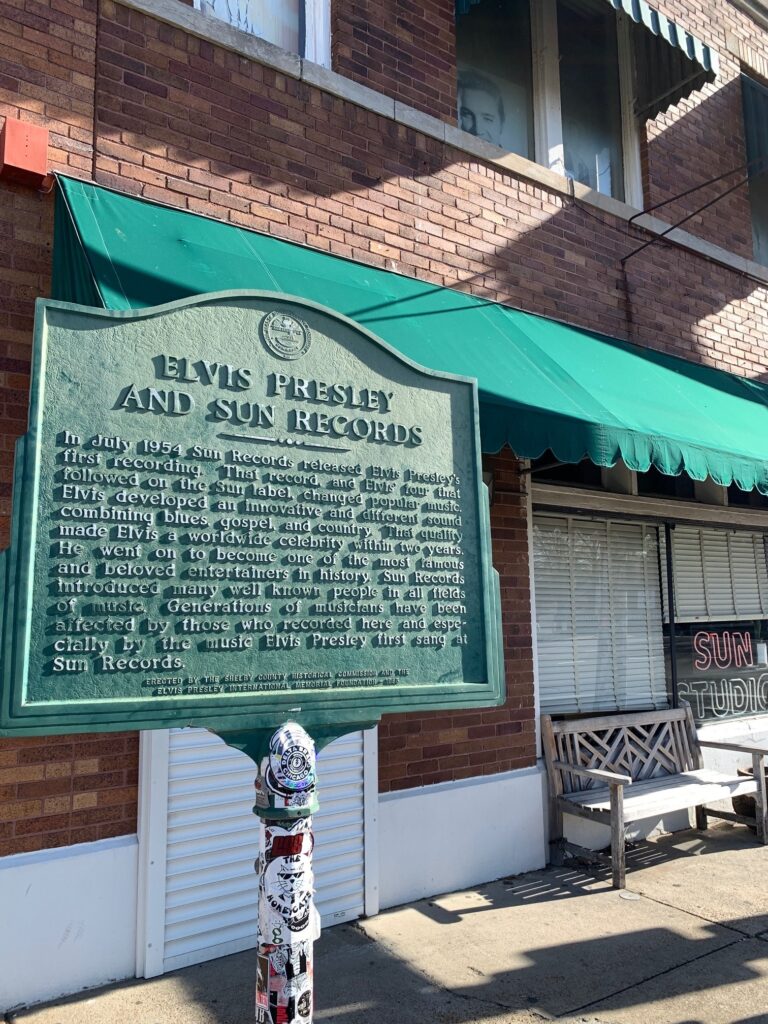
286,780
290,773
286,885
284,985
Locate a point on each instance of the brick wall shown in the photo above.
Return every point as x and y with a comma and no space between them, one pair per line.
700,139
47,72
383,45
423,748
26,225
59,790
404,49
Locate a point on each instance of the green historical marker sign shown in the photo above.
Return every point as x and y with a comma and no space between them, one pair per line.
237,509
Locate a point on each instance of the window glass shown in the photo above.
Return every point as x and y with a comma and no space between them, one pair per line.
755,106
278,21
589,95
493,52
758,201
748,499
547,469
654,484
722,667
721,620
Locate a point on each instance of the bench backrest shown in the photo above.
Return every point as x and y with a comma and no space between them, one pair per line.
643,745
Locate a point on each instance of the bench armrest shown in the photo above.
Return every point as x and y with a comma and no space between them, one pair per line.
743,748
597,774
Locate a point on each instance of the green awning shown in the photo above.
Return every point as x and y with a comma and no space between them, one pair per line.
543,385
670,63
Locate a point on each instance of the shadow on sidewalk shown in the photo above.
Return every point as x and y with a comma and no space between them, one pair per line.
551,943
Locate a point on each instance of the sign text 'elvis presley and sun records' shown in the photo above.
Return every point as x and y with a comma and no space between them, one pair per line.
237,505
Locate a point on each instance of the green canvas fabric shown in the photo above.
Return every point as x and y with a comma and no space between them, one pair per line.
542,384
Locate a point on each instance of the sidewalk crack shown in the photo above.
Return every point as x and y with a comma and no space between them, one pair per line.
701,917
652,977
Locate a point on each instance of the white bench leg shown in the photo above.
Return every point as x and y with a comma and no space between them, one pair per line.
618,863
701,818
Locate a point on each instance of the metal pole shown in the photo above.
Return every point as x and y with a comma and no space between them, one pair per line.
671,614
288,920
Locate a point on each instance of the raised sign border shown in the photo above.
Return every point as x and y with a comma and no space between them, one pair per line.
322,709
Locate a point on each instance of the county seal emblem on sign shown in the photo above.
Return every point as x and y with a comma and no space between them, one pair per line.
285,336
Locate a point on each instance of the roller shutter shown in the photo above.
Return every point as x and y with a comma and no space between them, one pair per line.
598,615
212,842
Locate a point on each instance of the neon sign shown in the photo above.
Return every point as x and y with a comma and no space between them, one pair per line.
723,650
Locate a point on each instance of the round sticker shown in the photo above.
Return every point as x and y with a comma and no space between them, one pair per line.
291,761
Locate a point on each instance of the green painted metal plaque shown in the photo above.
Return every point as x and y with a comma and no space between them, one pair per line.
237,509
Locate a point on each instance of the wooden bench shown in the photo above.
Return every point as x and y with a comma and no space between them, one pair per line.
656,756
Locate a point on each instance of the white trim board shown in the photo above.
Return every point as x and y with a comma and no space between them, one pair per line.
558,497
153,830
456,834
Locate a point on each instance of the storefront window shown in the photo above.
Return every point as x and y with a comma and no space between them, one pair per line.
721,621
722,668
598,615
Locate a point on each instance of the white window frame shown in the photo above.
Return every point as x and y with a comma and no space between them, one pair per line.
317,30
547,115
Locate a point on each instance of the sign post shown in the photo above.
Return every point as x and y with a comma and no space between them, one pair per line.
245,512
288,920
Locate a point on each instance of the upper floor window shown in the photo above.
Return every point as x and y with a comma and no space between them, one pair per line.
300,26
568,83
495,87
755,97
548,80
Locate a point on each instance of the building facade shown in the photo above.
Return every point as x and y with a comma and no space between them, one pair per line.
507,151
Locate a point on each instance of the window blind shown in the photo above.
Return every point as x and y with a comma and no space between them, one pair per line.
719,575
598,615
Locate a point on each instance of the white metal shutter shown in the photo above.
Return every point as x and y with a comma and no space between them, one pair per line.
719,575
598,615
212,843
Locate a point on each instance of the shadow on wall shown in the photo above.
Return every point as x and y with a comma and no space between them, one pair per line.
697,141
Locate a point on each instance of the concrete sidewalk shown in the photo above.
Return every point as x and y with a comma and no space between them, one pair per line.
686,943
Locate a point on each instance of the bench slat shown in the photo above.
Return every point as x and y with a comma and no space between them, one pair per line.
664,794
602,722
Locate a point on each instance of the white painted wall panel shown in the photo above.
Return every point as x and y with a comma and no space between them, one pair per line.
68,920
446,837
